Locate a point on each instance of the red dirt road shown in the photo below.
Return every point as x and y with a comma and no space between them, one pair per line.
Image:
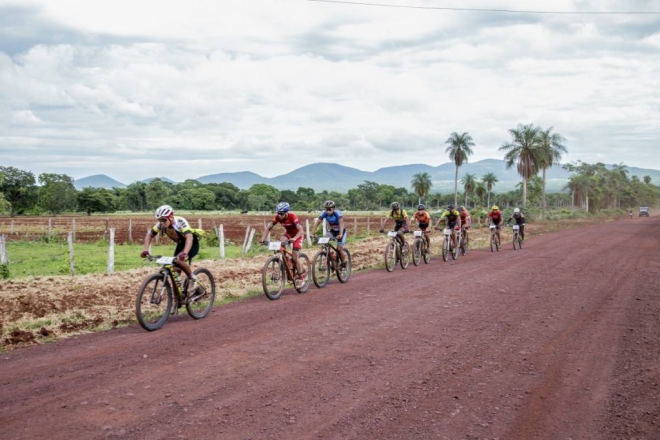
557,341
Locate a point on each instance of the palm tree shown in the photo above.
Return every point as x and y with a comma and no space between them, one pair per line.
551,148
490,180
621,175
524,152
647,180
480,191
459,149
469,182
421,184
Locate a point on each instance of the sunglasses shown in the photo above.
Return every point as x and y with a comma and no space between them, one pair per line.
163,220
329,209
281,214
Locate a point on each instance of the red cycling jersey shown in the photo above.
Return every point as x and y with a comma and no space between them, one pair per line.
496,216
464,216
290,223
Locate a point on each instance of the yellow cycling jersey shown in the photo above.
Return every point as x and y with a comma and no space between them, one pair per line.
401,216
451,215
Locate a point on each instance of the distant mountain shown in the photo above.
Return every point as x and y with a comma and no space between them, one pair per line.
164,179
98,181
243,179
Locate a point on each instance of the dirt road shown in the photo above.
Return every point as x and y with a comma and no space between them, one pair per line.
560,340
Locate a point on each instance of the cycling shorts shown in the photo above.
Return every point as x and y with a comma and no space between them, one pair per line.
399,225
194,250
341,241
424,227
297,245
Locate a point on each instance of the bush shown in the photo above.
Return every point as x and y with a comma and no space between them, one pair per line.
4,271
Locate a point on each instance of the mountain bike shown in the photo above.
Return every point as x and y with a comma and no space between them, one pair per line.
280,268
494,239
517,238
448,245
396,252
159,291
328,260
420,248
464,241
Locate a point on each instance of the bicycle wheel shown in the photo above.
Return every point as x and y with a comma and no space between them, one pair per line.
272,278
454,250
492,242
404,261
304,262
321,269
515,240
520,241
445,249
344,274
417,252
497,243
467,244
154,302
427,253
201,302
390,256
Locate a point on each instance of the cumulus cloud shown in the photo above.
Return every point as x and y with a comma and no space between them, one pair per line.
183,90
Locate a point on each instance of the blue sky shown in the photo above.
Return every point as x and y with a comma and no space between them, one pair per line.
184,89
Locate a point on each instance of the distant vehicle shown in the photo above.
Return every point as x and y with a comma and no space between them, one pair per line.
644,210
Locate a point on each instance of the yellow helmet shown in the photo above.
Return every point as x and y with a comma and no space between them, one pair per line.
495,208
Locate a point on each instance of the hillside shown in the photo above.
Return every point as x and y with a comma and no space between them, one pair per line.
98,181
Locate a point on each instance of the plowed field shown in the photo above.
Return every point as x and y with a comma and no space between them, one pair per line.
557,341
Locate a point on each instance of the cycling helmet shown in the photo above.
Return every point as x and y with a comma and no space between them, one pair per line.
164,211
461,208
421,207
450,207
516,211
282,208
395,206
495,208
329,204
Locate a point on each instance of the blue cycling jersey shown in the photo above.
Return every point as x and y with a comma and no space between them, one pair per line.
333,219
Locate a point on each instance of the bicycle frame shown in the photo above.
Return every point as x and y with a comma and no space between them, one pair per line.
282,252
168,271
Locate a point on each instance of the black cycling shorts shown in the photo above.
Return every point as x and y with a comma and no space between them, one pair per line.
194,250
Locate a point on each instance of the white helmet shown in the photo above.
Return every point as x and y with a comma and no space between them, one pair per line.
516,211
164,211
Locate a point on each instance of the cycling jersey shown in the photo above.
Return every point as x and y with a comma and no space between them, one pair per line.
518,218
400,217
464,216
290,223
451,216
332,219
423,217
177,232
496,216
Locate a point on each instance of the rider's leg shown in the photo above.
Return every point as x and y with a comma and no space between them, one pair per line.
522,231
340,246
295,253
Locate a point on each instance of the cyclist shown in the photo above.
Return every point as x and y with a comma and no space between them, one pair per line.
337,230
453,221
423,221
519,218
294,233
401,221
179,231
495,217
466,220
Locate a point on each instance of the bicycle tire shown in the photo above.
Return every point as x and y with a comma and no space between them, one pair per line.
344,275
201,307
321,270
492,242
515,240
155,319
304,261
274,273
454,250
520,242
390,256
427,254
497,243
445,249
467,244
417,252
404,261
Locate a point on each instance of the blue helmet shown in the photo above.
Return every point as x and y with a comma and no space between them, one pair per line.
282,207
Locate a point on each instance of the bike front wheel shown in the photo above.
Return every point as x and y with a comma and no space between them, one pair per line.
492,242
497,243
427,253
515,241
404,261
417,252
321,269
445,249
302,285
343,274
154,302
390,256
272,278
454,250
201,300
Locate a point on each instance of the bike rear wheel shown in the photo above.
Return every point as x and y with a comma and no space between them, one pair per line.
497,243
520,241
404,259
154,302
417,252
201,302
390,256
321,270
304,262
272,278
515,240
445,249
344,274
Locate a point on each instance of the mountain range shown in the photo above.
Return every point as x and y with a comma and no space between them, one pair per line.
334,177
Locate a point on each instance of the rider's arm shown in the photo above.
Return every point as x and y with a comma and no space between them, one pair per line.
341,227
407,222
266,231
316,225
300,233
147,239
189,243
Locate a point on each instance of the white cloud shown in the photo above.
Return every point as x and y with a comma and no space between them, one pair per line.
187,89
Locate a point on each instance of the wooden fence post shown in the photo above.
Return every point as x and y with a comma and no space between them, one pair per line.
3,250
249,242
325,229
355,226
368,225
309,239
247,234
221,240
130,231
111,251
50,227
199,223
72,259
73,229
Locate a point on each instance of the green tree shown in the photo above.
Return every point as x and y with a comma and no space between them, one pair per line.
523,150
227,195
136,196
647,180
19,189
92,200
480,191
551,147
489,180
256,201
421,183
156,192
57,193
201,199
271,194
4,204
460,147
469,182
